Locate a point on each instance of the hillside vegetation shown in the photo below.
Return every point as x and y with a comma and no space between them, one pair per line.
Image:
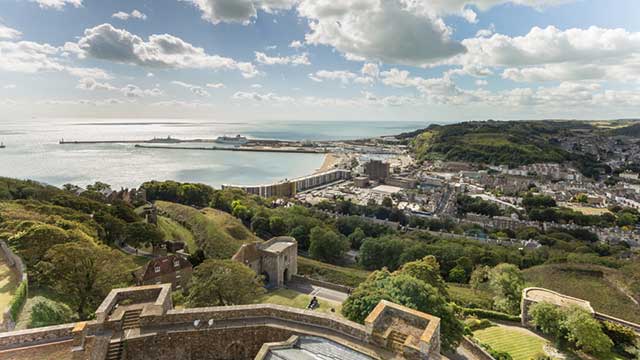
217,233
597,284
173,231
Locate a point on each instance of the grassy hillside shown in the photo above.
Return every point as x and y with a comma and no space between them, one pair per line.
589,282
512,143
217,233
174,231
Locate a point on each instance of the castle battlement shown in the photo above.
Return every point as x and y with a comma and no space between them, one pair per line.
140,323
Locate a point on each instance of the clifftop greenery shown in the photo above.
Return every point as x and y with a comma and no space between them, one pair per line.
512,143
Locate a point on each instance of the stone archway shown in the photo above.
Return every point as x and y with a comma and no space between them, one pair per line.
236,351
285,276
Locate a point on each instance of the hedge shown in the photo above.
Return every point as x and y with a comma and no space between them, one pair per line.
18,300
488,314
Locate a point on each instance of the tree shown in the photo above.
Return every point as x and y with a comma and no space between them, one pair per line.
506,282
479,276
223,282
241,211
140,233
260,226
301,235
376,253
277,226
586,332
31,245
356,238
326,245
404,289
83,273
387,202
427,269
458,275
548,318
114,228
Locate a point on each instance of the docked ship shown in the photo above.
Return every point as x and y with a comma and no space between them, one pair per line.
2,145
232,140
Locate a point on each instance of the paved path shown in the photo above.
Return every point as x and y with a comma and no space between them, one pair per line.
320,292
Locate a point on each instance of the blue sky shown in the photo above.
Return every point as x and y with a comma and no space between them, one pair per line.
228,60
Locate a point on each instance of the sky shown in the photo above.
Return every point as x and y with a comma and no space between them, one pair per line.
347,60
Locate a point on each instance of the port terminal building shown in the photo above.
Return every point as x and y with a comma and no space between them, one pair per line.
289,188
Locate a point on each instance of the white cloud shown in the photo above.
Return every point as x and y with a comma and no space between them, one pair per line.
296,44
150,74
82,72
370,69
238,11
9,86
256,86
269,97
263,58
135,14
133,91
163,51
215,85
92,84
481,82
9,33
28,57
343,76
57,4
360,29
195,89
551,54
86,102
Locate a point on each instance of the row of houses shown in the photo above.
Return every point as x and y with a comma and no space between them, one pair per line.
289,188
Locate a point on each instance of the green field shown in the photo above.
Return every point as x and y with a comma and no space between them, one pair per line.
518,343
219,234
297,300
586,282
176,232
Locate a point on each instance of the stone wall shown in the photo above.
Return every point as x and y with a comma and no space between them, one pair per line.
34,336
478,352
324,284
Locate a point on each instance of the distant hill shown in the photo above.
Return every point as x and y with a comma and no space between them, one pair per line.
217,233
631,130
599,285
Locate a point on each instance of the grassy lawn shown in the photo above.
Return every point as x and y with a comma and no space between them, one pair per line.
587,210
585,282
519,344
8,284
298,300
176,232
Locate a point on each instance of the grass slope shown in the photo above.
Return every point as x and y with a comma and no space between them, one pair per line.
331,273
586,282
176,232
515,342
217,233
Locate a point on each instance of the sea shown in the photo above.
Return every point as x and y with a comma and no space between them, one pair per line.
33,150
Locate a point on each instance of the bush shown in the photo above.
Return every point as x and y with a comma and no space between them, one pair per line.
619,334
488,314
477,324
18,300
48,312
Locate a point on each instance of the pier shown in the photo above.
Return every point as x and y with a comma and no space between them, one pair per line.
298,150
167,140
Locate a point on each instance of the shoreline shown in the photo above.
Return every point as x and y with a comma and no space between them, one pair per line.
331,160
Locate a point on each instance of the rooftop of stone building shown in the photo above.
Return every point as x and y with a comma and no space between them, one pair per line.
279,246
309,348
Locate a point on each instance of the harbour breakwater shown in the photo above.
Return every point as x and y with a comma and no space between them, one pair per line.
299,150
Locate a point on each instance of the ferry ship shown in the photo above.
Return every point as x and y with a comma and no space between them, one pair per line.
2,145
236,140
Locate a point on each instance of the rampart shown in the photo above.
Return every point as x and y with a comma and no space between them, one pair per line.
157,331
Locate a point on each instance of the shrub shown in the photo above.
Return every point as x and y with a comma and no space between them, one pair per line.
619,334
48,312
489,314
477,324
18,300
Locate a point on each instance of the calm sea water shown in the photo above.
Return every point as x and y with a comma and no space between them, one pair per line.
33,151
